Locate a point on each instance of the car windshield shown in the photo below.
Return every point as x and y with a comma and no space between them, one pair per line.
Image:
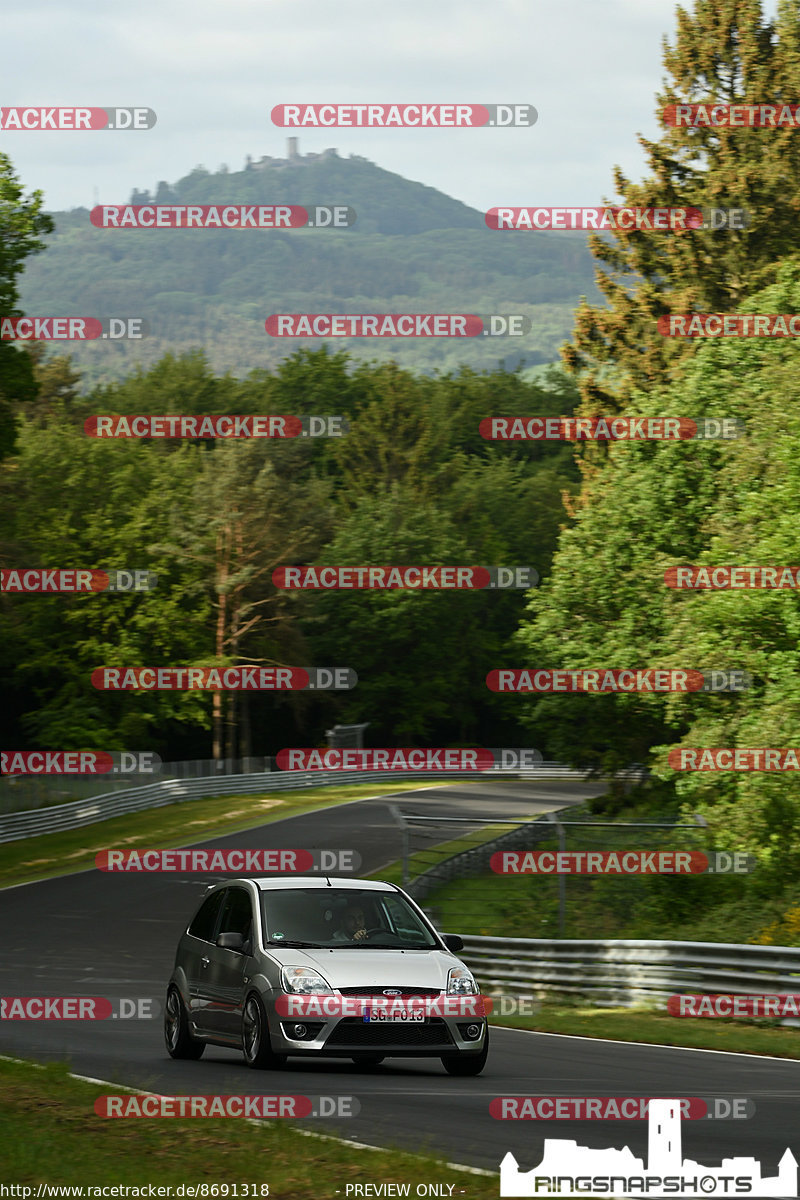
329,917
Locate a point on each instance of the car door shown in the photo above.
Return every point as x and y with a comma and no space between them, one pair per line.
224,978
195,955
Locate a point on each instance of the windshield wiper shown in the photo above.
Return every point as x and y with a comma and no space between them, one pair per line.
379,946
294,945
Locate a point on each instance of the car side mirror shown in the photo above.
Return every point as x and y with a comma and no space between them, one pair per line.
231,941
453,942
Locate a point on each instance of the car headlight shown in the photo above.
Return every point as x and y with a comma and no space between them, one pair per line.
304,980
461,983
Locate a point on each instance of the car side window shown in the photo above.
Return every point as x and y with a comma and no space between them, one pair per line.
402,920
205,921
237,915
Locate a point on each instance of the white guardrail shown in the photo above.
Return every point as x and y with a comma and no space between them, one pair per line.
627,973
57,818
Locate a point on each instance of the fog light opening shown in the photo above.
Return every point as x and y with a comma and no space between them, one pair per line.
299,1031
473,1031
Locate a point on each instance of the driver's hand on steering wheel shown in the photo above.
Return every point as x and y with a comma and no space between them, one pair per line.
359,935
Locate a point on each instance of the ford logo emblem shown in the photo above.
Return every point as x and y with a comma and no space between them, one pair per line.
392,992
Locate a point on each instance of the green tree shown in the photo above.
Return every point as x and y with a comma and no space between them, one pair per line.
724,52
22,226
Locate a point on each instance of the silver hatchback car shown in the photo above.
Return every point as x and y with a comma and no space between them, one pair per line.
314,966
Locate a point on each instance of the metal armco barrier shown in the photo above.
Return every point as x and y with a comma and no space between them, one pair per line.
626,973
14,826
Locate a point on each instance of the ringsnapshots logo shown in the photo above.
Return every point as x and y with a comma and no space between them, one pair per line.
75,119
394,325
259,1107
73,329
389,578
235,862
764,115
621,862
224,679
728,578
222,216
402,116
738,325
611,429
62,581
568,1169
407,759
79,762
734,758
628,679
628,220
144,425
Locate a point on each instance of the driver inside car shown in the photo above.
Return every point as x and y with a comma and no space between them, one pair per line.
353,925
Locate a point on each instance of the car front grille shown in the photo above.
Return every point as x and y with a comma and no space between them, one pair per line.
379,991
354,1032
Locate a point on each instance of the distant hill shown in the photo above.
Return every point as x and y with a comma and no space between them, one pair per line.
412,249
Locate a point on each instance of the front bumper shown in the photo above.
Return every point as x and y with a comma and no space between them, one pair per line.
346,1036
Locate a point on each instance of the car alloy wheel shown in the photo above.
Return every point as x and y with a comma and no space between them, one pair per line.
256,1044
180,1043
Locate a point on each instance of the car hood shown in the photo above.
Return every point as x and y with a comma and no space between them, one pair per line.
373,968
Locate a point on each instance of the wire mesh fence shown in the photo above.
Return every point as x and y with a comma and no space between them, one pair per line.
446,866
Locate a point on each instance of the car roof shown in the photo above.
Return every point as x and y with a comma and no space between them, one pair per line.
270,883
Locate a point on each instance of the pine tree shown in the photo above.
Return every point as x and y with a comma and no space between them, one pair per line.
724,52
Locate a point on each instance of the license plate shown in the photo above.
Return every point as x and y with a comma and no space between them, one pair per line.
402,1015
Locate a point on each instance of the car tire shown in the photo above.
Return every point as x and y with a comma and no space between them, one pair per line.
368,1060
465,1063
256,1044
180,1043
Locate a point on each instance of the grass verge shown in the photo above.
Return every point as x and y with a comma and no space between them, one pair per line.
176,825
50,1134
639,1025
423,860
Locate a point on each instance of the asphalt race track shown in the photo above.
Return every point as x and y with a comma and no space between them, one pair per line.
115,935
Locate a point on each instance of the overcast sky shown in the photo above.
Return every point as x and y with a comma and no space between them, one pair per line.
213,70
